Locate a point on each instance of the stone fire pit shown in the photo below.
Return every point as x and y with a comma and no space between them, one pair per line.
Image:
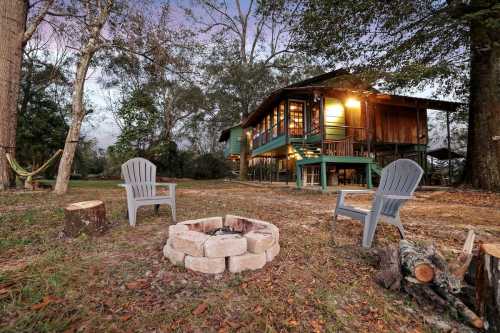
211,244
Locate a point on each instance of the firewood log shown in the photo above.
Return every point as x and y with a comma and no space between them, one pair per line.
415,262
389,274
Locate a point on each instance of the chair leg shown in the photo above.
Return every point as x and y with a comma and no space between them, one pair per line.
157,209
174,218
401,230
334,221
132,214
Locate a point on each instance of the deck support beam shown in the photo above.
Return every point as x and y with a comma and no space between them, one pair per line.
368,171
323,176
298,172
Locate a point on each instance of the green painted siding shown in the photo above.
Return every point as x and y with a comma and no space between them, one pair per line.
233,144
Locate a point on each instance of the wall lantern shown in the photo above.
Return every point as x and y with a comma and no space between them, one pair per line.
352,103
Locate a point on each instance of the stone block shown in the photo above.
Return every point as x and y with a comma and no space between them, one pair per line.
175,257
221,246
247,261
190,242
208,224
259,241
272,252
176,228
205,265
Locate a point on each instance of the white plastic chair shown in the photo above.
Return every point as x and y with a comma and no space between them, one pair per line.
140,184
398,182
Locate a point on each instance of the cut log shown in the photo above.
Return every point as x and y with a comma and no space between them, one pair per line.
488,286
415,262
87,217
389,274
461,265
461,308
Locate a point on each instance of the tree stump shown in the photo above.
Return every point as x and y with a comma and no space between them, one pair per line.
87,217
488,286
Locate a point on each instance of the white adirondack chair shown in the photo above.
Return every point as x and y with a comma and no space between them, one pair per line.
397,184
140,184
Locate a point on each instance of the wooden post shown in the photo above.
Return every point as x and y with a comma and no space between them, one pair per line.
367,125
286,122
450,173
323,176
322,123
419,153
368,172
298,170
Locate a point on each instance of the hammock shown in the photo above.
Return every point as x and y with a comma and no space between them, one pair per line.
29,174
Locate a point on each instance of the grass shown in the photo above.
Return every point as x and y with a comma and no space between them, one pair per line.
320,282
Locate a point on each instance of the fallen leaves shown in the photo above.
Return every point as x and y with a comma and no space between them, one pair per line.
46,301
137,284
202,307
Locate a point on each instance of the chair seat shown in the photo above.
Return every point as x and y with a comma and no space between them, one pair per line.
353,209
157,198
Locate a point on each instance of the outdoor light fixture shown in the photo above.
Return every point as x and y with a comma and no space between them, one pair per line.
352,103
333,111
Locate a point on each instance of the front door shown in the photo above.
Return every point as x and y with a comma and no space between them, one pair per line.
334,119
296,118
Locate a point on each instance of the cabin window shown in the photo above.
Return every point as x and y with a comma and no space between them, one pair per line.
275,122
315,119
296,118
281,111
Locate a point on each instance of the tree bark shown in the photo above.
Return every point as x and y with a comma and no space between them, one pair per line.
87,217
244,156
488,286
78,113
12,28
483,148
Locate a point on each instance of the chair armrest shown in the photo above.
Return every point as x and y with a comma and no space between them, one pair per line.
166,184
397,197
356,191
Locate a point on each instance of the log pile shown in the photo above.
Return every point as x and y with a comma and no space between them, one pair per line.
422,272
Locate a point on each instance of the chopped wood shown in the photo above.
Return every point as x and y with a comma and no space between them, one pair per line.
462,309
389,275
415,262
460,267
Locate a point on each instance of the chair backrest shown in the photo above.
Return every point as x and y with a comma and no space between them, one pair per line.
140,174
400,177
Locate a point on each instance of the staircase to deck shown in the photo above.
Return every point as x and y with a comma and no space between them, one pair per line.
307,150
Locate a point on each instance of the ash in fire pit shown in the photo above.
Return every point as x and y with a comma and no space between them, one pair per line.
224,231
203,245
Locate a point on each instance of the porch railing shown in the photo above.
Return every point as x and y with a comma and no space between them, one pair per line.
264,137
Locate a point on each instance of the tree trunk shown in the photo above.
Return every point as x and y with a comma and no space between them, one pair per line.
87,217
483,152
488,286
244,156
12,27
78,113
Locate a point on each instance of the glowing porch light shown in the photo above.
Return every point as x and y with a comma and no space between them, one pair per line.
352,103
333,110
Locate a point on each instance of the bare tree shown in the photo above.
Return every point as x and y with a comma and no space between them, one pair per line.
91,19
16,31
263,32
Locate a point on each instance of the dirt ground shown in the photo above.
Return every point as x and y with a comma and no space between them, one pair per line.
322,281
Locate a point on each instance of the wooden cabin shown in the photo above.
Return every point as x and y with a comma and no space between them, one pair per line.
332,129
